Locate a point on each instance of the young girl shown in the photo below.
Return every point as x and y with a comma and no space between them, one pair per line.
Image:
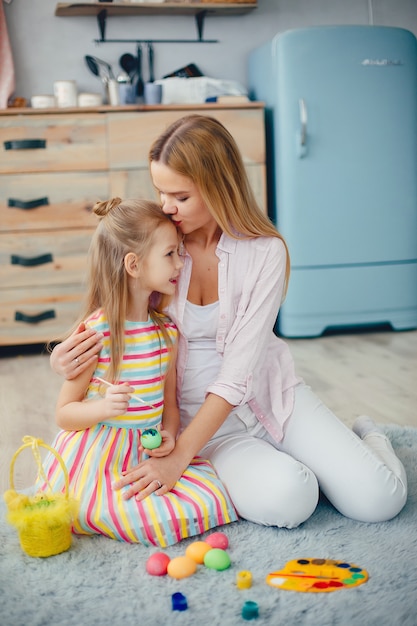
274,444
133,267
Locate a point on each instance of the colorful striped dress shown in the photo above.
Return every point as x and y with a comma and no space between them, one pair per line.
97,456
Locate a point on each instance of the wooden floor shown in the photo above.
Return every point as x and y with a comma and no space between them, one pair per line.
371,373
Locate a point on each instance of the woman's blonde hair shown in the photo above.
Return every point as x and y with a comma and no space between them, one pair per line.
125,226
202,149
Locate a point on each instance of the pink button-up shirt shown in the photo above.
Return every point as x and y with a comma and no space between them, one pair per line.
257,367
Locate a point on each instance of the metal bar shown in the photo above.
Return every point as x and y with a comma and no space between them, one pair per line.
156,41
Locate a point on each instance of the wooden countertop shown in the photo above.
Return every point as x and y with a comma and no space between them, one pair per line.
133,107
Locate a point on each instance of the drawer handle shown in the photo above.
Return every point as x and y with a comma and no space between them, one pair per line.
33,319
28,204
16,259
25,144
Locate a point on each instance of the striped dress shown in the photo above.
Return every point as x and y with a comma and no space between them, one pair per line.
97,456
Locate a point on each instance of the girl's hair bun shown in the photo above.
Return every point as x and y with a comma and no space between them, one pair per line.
102,208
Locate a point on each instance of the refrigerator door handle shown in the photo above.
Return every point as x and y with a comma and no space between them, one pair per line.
302,134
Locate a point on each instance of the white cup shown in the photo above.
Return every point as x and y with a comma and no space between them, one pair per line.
65,92
43,102
90,99
153,93
113,92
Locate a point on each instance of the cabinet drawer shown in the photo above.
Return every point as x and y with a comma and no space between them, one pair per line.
43,201
132,183
42,259
53,143
131,134
56,309
58,188
136,183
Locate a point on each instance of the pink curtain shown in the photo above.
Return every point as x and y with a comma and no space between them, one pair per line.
7,80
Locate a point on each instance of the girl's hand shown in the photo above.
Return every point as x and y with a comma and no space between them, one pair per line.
167,446
145,478
116,400
77,353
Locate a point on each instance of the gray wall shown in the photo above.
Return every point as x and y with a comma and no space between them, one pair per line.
48,48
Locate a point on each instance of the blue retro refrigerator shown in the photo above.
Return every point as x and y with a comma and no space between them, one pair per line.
341,119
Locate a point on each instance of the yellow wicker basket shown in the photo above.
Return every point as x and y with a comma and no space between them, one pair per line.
43,521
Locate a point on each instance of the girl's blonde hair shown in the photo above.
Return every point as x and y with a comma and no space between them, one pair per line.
202,149
125,226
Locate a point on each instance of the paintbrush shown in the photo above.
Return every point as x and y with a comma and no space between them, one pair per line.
137,398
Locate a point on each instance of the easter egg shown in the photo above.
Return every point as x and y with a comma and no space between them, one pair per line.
151,438
157,564
197,551
217,540
217,559
181,567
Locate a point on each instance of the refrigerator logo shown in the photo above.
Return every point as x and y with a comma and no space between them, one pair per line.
381,62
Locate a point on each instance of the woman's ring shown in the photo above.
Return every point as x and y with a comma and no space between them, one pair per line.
158,483
77,360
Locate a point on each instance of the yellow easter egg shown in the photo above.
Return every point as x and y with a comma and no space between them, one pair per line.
197,550
181,567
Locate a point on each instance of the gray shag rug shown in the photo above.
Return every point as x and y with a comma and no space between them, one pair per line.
103,582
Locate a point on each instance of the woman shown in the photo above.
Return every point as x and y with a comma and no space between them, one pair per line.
271,440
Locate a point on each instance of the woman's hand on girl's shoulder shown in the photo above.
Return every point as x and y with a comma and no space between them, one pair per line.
76,353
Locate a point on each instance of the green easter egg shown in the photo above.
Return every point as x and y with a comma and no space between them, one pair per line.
217,559
151,438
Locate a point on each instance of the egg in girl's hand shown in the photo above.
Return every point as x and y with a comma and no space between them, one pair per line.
151,438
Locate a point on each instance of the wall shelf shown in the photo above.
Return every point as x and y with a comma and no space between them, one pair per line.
103,10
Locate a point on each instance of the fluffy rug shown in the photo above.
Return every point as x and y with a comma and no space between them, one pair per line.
103,582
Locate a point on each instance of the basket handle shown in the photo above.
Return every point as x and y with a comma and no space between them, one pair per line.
32,442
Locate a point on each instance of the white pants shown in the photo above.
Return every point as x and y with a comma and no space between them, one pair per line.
278,484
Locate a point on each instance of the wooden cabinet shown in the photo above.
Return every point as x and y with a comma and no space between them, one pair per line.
53,167
130,136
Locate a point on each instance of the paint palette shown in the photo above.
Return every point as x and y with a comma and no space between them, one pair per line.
317,576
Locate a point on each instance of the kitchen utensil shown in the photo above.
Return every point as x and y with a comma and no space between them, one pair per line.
92,65
150,62
128,63
102,69
139,84
99,67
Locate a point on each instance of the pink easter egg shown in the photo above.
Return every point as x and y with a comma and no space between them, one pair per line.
157,564
217,540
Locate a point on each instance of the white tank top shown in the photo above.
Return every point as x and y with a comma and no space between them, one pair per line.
203,363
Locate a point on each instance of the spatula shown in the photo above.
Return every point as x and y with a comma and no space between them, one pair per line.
128,63
139,84
150,62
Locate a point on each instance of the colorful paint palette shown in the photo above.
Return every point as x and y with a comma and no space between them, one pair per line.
317,576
